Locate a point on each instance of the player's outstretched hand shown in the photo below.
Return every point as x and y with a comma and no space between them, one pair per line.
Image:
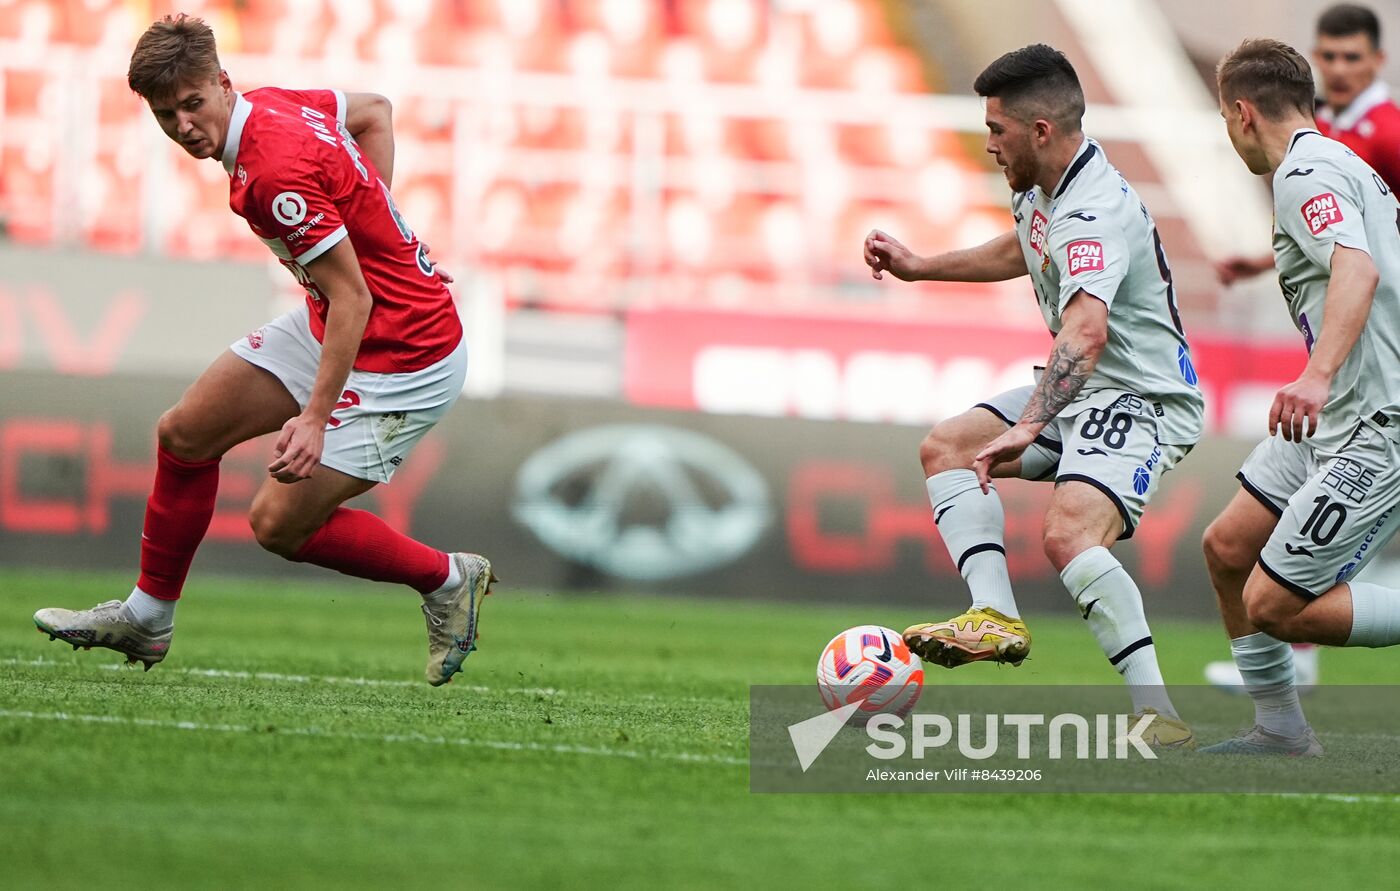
1007,447
298,449
1232,269
885,254
1296,403
441,273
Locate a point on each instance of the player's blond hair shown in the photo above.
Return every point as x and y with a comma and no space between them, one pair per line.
178,49
1270,74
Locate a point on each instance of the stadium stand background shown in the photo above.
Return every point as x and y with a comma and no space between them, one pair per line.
656,203
592,154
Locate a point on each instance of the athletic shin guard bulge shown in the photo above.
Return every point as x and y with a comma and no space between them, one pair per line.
1111,603
177,517
973,527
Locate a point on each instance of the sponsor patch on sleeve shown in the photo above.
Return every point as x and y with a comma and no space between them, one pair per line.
1085,256
1321,211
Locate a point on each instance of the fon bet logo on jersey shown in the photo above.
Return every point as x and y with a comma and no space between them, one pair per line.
1321,211
1038,226
1085,256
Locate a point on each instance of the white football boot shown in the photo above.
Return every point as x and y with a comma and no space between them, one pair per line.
453,618
105,625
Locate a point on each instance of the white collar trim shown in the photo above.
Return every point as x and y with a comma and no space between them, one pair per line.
1376,94
241,109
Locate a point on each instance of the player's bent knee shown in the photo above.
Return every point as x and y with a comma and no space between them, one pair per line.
941,450
1225,551
275,532
1062,544
178,436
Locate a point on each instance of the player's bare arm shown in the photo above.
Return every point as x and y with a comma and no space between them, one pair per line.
1350,292
1233,269
338,278
995,261
370,119
1072,360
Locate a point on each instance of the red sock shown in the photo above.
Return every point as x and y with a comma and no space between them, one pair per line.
358,543
177,516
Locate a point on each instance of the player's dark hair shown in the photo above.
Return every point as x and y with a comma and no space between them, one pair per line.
1346,19
176,50
1270,74
1035,82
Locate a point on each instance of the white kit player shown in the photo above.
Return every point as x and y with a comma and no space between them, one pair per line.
1115,408
353,378
1319,494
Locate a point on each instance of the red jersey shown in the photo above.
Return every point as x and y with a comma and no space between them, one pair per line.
1369,126
300,181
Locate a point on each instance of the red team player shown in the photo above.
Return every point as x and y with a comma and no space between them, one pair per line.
353,378
1356,107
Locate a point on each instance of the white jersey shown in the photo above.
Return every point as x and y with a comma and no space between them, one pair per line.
1324,196
1093,234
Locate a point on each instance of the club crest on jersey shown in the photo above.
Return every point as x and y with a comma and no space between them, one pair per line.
1039,225
1085,256
1321,211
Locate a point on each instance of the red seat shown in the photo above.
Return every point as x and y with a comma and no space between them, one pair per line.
28,178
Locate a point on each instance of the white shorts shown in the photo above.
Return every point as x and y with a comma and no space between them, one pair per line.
379,418
1335,511
1115,449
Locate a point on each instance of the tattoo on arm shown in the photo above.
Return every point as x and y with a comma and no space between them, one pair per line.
1068,369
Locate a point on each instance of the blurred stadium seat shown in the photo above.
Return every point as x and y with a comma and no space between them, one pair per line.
692,148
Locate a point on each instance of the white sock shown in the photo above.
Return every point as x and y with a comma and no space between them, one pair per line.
973,526
1266,666
1375,616
1305,667
1112,604
454,579
151,613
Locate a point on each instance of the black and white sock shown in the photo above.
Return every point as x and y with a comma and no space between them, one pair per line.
1110,601
973,527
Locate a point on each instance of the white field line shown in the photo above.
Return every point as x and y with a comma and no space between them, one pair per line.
275,677
1342,799
503,745
315,732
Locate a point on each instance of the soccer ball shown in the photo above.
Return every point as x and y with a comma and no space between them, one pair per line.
870,665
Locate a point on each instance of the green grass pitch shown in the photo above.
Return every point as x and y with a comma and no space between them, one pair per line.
593,741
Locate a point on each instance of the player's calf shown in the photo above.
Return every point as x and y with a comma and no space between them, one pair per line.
1275,611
